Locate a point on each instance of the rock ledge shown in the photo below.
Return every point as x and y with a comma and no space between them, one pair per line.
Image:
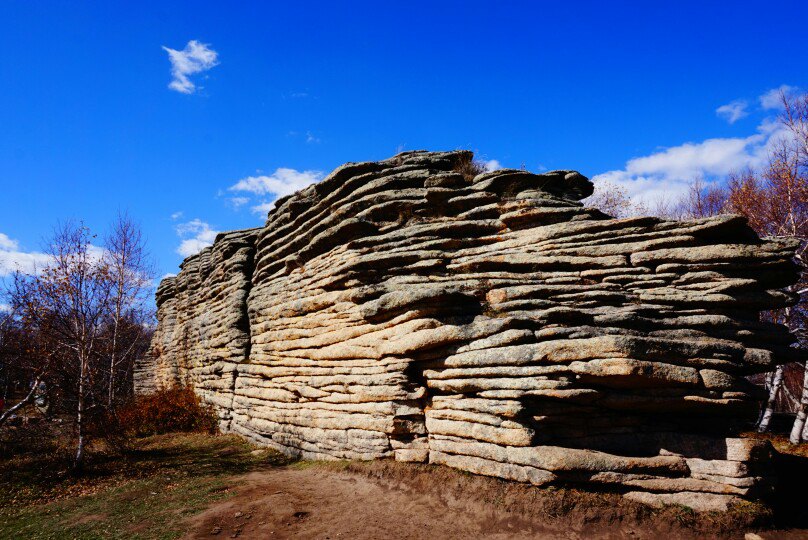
493,324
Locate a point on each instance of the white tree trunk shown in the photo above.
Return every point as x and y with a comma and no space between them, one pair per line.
797,432
22,403
774,391
79,463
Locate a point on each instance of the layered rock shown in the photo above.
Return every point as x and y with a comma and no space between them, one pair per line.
493,324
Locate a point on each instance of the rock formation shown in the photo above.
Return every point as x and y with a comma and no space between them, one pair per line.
494,324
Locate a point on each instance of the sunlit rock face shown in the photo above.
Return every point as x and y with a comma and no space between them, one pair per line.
493,324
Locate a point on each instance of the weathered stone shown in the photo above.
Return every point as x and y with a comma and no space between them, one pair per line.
495,324
700,502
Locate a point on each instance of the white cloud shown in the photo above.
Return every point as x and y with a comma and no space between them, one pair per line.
733,111
192,246
175,216
195,58
7,243
196,235
666,175
310,138
773,98
492,165
12,259
262,208
282,182
238,202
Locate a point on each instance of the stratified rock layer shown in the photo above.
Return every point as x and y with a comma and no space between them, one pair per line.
494,324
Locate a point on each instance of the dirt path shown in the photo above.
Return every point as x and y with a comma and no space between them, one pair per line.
322,504
382,501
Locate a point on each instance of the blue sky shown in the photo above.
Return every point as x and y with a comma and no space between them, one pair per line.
631,92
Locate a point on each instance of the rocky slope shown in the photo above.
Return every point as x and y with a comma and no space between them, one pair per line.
493,324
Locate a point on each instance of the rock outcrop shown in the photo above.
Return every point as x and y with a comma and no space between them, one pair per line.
493,324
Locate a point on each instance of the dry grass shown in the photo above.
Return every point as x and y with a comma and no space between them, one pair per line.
780,443
469,167
145,492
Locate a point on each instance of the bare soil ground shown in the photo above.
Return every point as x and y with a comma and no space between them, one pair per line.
316,503
391,500
202,486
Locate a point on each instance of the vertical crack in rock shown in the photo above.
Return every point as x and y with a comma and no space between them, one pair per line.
494,324
243,323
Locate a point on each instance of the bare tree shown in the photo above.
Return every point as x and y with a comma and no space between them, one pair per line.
791,164
795,119
130,274
613,200
703,200
85,318
88,310
72,293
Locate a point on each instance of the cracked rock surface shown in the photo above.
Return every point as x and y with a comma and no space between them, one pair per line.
493,324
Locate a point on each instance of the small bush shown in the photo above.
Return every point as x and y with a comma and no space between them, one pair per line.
168,410
469,167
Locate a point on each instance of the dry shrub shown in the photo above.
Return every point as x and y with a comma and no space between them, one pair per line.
168,410
469,167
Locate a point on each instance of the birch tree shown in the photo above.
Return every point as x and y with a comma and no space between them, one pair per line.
67,302
130,275
793,160
85,317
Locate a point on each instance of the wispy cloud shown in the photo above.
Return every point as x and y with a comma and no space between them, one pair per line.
195,58
12,259
7,243
237,202
262,208
772,99
667,174
492,165
196,235
175,216
308,136
733,111
282,182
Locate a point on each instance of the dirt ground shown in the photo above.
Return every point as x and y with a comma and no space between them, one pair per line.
321,504
212,486
317,503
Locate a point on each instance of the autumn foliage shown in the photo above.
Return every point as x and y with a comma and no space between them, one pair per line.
167,410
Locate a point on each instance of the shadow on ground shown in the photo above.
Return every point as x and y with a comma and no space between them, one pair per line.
789,502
